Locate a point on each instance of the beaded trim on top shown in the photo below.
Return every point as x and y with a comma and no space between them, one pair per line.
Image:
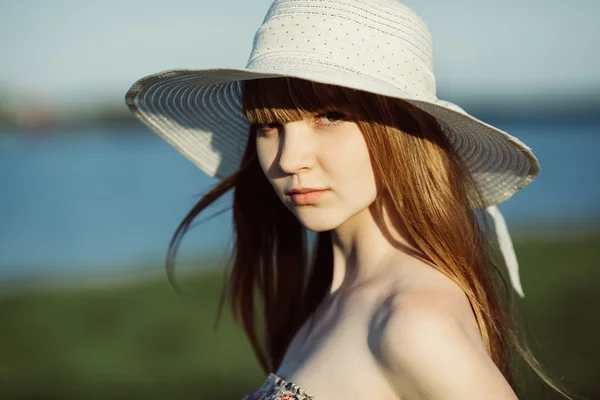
277,388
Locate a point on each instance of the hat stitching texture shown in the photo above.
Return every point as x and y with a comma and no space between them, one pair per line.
315,59
284,8
415,47
374,28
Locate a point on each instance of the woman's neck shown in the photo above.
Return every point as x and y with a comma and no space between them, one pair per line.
368,244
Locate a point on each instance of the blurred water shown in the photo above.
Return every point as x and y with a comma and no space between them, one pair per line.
106,201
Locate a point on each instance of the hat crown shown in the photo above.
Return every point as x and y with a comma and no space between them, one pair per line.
383,39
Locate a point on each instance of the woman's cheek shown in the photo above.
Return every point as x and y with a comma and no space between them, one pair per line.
265,155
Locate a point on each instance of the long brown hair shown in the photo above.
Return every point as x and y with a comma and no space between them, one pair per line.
277,278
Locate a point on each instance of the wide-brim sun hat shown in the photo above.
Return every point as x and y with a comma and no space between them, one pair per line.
377,46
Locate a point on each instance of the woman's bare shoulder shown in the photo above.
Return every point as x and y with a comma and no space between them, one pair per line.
431,347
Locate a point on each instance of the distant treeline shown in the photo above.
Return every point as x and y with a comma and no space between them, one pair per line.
559,110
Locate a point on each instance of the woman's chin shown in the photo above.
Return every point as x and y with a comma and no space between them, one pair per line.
317,223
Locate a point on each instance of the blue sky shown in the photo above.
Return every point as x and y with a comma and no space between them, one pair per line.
61,49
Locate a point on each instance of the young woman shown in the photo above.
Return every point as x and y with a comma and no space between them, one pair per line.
334,129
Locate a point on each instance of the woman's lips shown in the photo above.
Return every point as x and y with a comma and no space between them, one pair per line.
307,198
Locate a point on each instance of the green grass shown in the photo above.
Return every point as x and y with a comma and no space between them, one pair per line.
142,341
560,312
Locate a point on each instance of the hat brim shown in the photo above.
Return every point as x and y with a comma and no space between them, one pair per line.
199,112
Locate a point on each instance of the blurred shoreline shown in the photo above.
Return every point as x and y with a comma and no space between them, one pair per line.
153,271
25,115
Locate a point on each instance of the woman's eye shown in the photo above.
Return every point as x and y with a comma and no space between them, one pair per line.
266,127
328,118
331,117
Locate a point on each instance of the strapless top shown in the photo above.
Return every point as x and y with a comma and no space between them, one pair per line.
276,388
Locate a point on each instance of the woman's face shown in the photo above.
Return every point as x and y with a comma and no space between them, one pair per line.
328,152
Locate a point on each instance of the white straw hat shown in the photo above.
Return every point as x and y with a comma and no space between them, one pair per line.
378,46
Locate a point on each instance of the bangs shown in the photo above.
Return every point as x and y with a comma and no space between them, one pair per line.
284,100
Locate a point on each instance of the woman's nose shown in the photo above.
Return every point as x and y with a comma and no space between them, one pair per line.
295,147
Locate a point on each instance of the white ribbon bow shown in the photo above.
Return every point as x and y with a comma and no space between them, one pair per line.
506,248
